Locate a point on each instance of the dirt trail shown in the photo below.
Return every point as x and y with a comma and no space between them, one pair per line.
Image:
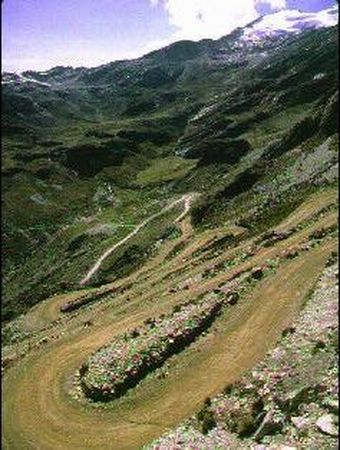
152,280
38,414
187,199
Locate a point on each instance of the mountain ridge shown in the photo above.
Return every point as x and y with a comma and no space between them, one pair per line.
303,20
102,134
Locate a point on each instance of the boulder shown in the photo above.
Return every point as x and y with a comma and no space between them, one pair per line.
300,422
326,425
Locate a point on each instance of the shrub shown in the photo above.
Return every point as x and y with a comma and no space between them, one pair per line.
208,422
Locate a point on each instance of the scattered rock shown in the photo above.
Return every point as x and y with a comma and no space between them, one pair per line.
300,422
275,236
225,289
326,425
87,323
233,298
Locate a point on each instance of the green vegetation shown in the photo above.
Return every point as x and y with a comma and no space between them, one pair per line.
138,197
163,170
74,187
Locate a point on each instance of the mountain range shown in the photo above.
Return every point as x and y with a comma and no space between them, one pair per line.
79,141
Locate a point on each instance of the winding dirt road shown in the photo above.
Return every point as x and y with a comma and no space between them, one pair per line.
187,199
39,413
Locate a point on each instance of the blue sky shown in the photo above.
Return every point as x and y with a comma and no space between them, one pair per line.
40,34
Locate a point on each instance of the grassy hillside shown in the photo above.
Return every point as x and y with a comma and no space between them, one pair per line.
234,134
165,221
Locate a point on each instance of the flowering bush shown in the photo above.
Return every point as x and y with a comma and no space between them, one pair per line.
125,361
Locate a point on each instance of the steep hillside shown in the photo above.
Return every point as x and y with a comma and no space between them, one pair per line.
220,113
165,220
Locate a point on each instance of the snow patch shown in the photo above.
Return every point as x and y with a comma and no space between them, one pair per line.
19,78
289,21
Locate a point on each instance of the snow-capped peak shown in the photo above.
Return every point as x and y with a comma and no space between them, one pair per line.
289,21
10,78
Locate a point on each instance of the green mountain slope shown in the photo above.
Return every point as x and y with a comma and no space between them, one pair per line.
83,148
165,222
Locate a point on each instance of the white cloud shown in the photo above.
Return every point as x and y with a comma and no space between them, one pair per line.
272,5
277,4
197,19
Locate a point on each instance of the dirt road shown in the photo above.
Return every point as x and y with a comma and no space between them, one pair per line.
187,199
